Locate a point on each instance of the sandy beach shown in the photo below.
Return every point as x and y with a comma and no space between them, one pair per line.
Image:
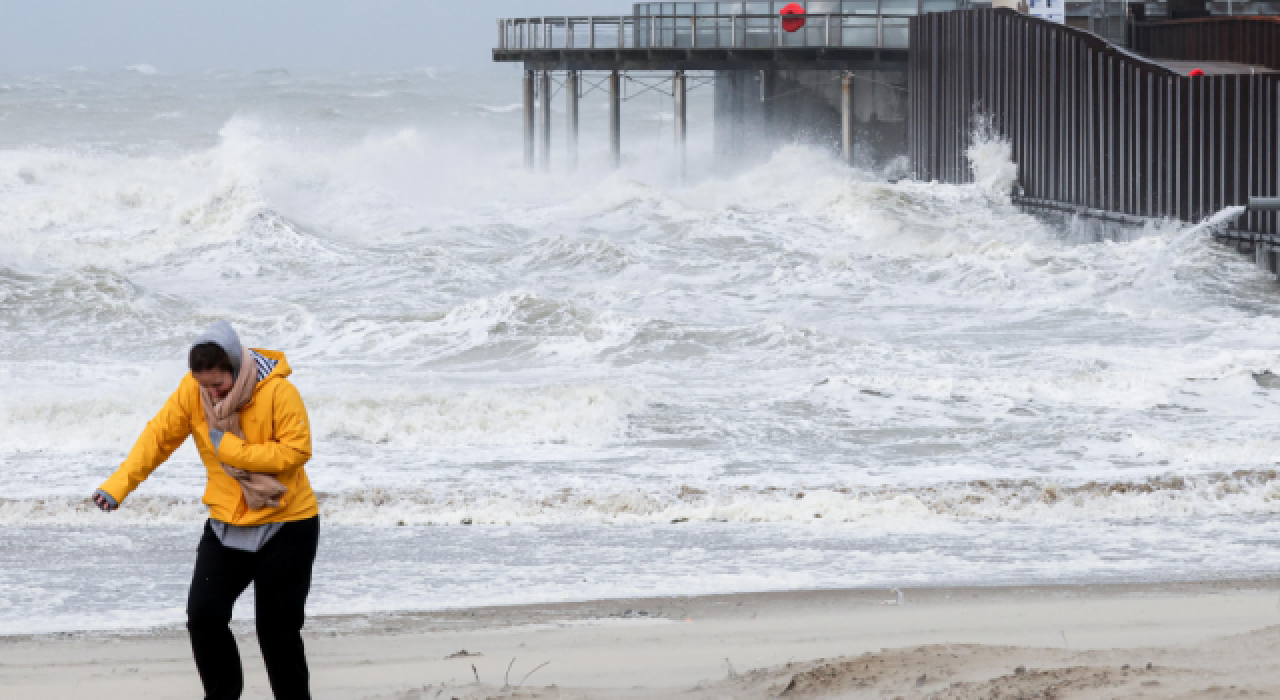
1184,640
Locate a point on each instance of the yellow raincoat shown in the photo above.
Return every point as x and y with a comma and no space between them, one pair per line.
278,442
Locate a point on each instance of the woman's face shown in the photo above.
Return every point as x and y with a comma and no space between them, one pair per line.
217,381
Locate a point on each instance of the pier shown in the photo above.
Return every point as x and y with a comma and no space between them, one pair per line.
835,74
1097,129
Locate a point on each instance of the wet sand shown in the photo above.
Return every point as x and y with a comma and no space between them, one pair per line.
1186,640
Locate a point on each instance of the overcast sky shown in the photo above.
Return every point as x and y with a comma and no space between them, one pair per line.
196,35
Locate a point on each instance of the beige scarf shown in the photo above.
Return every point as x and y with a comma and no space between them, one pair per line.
260,490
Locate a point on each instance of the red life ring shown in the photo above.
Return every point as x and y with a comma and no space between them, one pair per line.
792,25
1196,73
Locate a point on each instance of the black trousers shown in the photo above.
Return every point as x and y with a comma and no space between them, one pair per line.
281,574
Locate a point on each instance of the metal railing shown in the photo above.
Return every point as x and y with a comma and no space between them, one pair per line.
817,7
695,31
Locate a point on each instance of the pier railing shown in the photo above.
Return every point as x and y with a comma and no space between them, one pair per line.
1249,40
1093,128
705,31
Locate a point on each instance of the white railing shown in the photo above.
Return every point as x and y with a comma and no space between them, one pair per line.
704,31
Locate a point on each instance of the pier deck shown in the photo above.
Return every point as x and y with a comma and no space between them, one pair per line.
667,59
701,41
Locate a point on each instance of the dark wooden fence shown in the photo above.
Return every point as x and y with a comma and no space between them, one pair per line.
1251,40
1092,127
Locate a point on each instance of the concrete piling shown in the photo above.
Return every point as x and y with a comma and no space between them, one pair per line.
768,89
528,119
846,116
571,91
615,117
546,120
679,93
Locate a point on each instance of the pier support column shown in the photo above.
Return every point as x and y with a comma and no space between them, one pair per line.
615,118
528,119
546,120
846,117
679,92
571,122
768,86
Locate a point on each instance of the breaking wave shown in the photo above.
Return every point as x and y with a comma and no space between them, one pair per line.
1039,501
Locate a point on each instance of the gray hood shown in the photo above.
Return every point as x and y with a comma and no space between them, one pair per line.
224,336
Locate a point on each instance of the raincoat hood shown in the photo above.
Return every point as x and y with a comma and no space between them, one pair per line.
221,333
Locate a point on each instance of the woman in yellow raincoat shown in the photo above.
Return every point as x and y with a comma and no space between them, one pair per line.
251,429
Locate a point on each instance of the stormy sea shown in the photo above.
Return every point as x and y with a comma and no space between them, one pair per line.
531,387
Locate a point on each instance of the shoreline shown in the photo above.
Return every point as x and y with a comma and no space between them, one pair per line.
743,645
680,607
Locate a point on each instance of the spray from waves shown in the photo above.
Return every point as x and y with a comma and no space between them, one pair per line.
80,208
1174,265
102,210
1245,493
257,187
991,159
1196,235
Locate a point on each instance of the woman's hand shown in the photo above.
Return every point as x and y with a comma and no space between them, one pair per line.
104,501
